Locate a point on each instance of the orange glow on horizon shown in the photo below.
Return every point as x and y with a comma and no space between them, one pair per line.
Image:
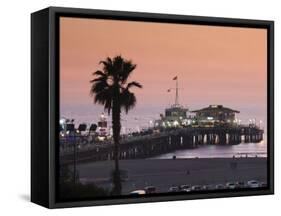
214,65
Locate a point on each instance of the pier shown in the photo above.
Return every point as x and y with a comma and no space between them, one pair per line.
146,146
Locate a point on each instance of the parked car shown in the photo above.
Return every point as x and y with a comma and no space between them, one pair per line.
173,189
230,185
138,192
208,187
150,189
185,188
240,184
253,184
196,188
263,184
220,187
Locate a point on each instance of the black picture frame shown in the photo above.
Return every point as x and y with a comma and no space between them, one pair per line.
45,102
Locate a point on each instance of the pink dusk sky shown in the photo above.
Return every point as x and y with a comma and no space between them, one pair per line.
214,65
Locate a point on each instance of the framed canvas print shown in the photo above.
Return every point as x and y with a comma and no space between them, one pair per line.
139,107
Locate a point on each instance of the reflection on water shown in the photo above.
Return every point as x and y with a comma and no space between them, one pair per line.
220,151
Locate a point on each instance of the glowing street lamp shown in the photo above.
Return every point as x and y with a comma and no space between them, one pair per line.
239,121
150,123
62,121
176,123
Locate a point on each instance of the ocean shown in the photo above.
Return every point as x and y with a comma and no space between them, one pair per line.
220,151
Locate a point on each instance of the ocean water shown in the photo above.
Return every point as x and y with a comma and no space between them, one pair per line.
220,151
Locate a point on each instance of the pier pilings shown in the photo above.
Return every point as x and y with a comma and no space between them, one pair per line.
168,141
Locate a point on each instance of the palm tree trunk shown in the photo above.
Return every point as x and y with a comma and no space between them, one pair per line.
116,126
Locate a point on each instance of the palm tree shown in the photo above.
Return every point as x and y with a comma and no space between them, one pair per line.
111,89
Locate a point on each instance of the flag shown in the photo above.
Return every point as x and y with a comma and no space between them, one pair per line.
175,78
168,90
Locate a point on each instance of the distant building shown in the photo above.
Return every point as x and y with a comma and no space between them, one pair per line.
175,113
215,114
174,116
102,126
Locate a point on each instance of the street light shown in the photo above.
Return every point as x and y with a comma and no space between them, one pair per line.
62,121
150,123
